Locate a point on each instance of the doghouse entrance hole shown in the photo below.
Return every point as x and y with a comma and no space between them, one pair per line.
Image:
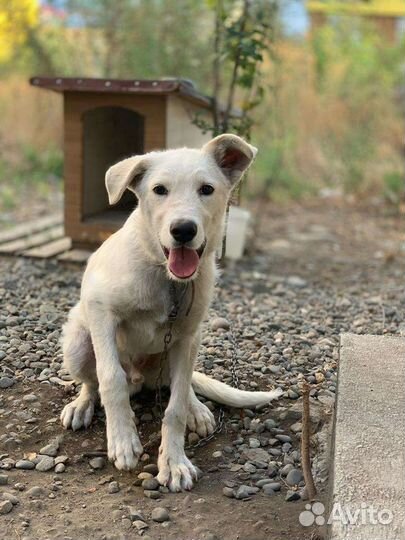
110,135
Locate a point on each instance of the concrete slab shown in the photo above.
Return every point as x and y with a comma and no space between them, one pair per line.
368,468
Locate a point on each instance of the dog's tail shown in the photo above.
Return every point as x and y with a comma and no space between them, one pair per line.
226,395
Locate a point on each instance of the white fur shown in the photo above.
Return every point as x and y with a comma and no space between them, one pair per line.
114,335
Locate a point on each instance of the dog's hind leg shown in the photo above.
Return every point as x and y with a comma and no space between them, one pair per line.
79,360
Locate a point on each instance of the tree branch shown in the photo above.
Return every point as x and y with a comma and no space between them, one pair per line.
217,67
232,86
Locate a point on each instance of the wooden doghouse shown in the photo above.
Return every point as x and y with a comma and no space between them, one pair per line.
106,120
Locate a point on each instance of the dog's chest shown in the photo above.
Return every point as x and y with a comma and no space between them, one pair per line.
143,333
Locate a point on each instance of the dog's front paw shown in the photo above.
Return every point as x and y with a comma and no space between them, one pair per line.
200,419
176,471
124,447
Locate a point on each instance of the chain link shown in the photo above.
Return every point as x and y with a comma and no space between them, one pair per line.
163,358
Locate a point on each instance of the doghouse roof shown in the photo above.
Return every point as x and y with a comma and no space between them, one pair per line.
181,87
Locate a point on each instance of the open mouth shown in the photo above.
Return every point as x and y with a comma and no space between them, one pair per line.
183,261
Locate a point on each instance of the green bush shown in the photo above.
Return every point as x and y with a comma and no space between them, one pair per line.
394,187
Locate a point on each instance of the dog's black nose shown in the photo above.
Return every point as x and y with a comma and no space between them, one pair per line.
183,231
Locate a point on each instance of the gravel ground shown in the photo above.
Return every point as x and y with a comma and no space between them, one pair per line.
313,273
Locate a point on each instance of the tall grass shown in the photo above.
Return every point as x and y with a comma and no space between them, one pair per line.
332,118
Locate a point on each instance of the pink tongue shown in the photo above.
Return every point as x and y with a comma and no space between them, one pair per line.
183,262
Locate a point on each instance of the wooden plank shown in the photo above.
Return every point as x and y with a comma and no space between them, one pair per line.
32,240
50,249
30,227
75,255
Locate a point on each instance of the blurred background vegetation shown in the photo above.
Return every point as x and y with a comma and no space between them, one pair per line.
329,121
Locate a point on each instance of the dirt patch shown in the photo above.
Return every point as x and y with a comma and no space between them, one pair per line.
77,504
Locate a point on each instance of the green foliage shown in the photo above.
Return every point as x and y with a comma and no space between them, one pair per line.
394,187
359,72
39,171
277,175
243,37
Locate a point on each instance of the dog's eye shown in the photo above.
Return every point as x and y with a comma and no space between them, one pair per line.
206,189
160,190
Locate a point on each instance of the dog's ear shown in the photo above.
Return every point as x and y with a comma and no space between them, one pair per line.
124,175
232,154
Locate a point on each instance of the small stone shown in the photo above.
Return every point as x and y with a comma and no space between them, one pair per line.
244,492
5,507
30,398
113,487
228,492
140,525
275,486
97,463
36,491
256,454
268,491
145,475
283,438
105,479
61,459
45,464
160,514
269,424
292,496
151,468
286,469
50,449
254,443
249,468
263,481
135,514
6,382
3,479
296,428
296,282
294,477
150,484
126,523
217,454
152,494
60,468
10,497
24,464
220,322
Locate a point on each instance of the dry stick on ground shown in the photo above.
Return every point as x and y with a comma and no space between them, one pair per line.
305,445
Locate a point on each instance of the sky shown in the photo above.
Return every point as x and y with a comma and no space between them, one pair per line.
294,17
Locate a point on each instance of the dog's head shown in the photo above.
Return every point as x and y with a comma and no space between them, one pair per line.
183,195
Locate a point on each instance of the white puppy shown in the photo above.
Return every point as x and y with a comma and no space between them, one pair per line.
114,336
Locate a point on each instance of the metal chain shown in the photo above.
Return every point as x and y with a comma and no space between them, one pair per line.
173,315
167,339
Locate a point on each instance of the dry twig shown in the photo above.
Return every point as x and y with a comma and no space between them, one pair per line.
305,445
